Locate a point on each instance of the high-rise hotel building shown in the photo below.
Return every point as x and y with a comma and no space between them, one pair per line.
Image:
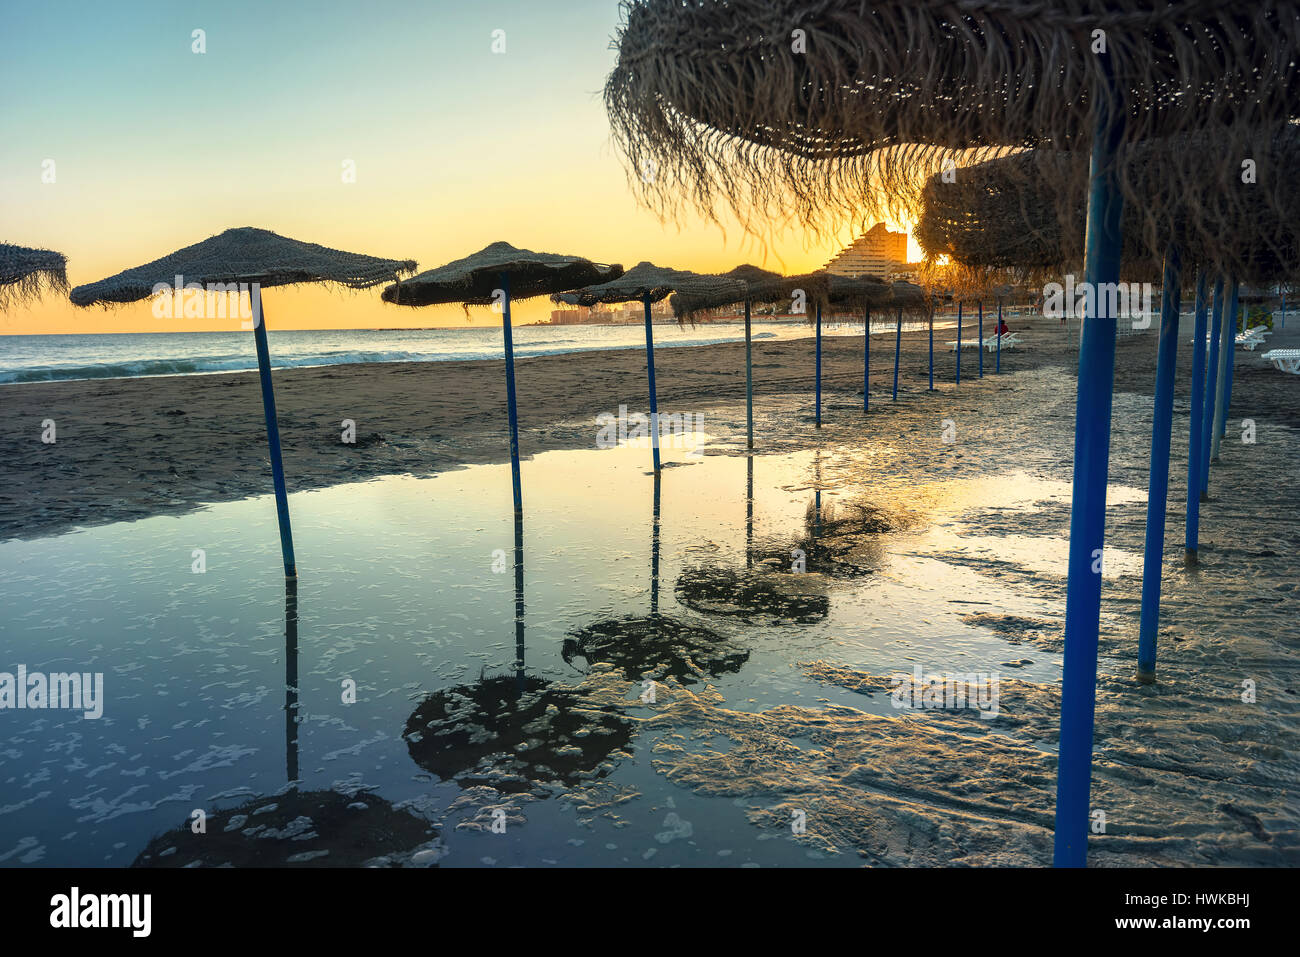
877,252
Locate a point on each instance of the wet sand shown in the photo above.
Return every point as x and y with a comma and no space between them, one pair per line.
129,448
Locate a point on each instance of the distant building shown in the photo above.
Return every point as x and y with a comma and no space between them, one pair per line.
631,312
877,252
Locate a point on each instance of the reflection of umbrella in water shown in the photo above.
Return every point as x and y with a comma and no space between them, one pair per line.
749,594
514,731
655,646
496,275
247,260
23,271
293,828
834,542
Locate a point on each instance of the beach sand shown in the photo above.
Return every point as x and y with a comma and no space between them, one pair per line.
129,448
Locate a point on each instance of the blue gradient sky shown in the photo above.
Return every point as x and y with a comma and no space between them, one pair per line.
157,147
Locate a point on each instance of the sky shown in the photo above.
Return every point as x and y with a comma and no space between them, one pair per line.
154,146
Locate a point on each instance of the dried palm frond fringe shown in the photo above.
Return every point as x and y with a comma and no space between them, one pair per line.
474,280
1002,213
244,255
757,286
25,271
643,280
720,105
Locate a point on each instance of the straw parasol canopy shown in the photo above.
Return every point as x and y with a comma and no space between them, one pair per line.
244,255
1000,213
829,111
645,279
473,280
757,286
24,270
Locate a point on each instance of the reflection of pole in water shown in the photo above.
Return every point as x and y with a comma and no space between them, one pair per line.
654,553
291,679
749,511
817,493
519,594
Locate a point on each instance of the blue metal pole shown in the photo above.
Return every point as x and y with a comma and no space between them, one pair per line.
1158,486
998,367
1283,308
981,328
931,311
1088,504
866,356
959,343
654,399
819,365
1230,362
1195,433
511,407
898,347
1211,388
749,384
272,433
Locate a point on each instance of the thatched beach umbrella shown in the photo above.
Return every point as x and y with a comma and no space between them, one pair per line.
756,285
25,271
647,283
868,293
247,260
496,275
716,99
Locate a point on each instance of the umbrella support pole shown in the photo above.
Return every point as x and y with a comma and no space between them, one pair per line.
654,399
818,414
981,328
1088,504
273,433
749,383
866,357
959,343
1198,411
898,346
511,406
1211,388
1229,359
1158,494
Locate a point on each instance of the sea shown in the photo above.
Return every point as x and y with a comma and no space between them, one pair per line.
132,355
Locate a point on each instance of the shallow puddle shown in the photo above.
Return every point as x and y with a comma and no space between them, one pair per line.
218,692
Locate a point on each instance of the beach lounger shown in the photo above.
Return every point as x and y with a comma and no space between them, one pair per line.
1009,341
1285,360
965,344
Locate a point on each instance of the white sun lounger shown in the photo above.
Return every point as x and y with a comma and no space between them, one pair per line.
1285,360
